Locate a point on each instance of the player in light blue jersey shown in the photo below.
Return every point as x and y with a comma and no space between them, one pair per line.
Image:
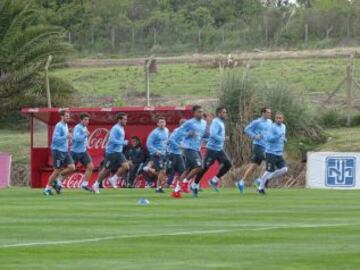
63,164
157,145
275,163
115,161
215,151
175,163
257,130
79,151
194,132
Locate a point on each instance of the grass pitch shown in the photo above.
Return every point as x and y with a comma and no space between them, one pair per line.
286,229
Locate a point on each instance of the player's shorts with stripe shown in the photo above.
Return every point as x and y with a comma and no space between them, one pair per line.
274,162
192,159
175,164
159,162
114,160
61,159
84,158
258,154
211,156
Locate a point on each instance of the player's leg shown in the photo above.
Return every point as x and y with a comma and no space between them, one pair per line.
257,157
209,160
224,166
281,169
179,168
159,165
86,161
122,166
194,162
108,164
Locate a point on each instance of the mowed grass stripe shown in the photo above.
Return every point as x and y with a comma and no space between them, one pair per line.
287,229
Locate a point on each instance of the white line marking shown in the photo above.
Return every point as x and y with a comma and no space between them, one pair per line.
106,238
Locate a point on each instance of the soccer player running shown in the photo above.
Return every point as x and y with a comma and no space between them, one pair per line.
175,161
78,148
63,164
156,144
194,131
215,150
257,131
114,157
275,163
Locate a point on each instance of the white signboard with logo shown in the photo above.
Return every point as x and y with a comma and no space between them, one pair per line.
334,170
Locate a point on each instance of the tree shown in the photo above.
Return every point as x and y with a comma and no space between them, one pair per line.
25,44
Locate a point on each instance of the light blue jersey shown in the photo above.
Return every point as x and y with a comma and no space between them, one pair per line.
175,141
79,139
194,133
217,135
60,141
260,127
116,140
157,141
276,139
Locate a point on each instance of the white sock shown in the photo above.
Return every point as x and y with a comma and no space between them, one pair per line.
84,183
177,188
215,179
48,187
269,175
114,178
146,169
96,184
195,186
185,180
159,187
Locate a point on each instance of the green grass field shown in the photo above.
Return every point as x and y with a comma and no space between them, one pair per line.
286,229
305,76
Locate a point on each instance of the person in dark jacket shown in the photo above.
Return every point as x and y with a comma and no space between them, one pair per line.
136,156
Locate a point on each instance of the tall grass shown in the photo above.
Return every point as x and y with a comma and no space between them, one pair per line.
243,98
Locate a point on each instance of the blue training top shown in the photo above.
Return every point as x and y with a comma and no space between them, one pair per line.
217,135
60,141
79,139
260,127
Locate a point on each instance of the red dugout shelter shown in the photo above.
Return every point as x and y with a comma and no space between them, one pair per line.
141,120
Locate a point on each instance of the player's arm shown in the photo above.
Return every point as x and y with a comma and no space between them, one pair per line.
215,131
274,135
150,142
60,135
117,138
78,135
250,130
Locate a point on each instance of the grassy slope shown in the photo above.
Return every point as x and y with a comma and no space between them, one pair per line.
17,143
287,229
344,139
316,75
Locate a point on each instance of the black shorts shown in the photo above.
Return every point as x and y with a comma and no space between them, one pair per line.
159,162
61,159
258,154
192,159
211,156
175,164
84,158
113,161
274,162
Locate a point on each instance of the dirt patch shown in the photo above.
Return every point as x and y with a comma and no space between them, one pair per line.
211,58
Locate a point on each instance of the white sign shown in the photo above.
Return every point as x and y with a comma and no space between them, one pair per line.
334,170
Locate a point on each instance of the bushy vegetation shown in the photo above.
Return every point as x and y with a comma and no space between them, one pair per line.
244,98
139,27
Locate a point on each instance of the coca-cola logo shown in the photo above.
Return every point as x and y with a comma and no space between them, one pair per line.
73,181
98,138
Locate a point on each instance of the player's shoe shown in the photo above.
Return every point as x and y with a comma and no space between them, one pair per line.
95,188
113,182
185,187
57,188
262,191
176,195
48,192
213,185
194,191
86,188
159,190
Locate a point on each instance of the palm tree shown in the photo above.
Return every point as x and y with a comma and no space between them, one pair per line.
25,44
